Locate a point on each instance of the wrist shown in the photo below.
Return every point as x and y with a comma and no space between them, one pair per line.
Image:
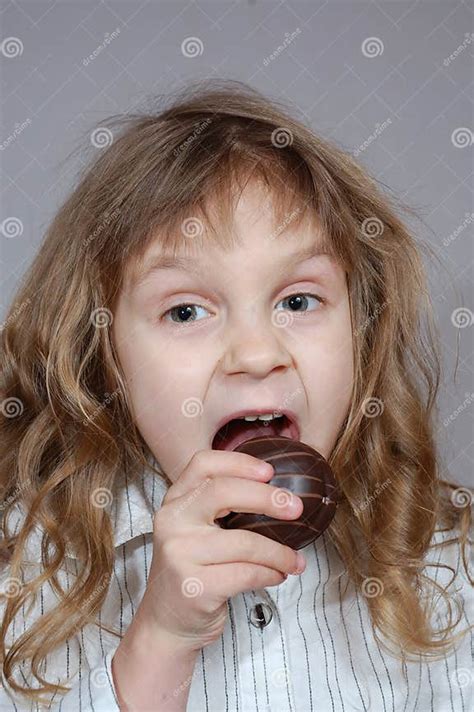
156,636
152,669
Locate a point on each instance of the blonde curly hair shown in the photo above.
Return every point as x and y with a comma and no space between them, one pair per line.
161,166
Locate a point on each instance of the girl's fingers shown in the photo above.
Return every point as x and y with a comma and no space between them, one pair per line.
232,579
222,546
221,495
218,463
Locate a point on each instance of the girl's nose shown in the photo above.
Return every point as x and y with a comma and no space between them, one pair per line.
255,348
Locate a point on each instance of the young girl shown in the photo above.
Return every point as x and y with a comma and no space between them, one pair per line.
219,260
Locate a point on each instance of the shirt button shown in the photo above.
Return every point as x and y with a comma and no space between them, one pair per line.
261,615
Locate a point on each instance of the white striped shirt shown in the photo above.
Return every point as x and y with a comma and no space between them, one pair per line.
315,651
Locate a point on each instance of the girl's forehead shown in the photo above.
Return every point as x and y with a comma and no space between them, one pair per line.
258,219
277,254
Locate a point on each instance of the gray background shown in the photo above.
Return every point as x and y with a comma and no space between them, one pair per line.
409,88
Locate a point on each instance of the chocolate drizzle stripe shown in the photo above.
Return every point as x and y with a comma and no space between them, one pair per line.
279,475
294,453
277,523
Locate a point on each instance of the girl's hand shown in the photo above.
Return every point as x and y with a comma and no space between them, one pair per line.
197,565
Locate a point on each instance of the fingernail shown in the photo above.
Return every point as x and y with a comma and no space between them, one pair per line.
294,502
300,564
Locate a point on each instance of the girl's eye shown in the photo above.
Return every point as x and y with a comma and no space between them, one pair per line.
297,303
299,300
182,310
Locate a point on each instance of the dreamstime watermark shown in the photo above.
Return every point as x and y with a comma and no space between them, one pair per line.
15,494
469,217
468,39
372,497
109,397
192,227
101,497
19,128
462,137
379,129
108,38
15,313
182,686
461,497
372,587
281,137
372,407
100,677
289,217
194,495
108,217
101,137
192,47
198,673
104,584
11,227
282,497
452,416
11,407
11,587
287,400
378,310
462,317
281,318
279,677
462,677
289,37
372,226
192,587
11,47
101,317
7,501
372,47
192,137
192,407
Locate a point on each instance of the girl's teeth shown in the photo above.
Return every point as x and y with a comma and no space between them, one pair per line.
262,417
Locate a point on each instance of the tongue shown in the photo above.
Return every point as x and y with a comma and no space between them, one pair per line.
238,431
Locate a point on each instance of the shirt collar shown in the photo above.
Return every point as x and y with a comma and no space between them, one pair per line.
131,511
136,502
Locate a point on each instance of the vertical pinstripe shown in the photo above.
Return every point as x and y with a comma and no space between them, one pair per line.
305,643
318,652
225,674
436,576
252,656
349,647
326,559
124,561
369,656
264,663
234,653
316,618
284,652
431,690
389,681
204,679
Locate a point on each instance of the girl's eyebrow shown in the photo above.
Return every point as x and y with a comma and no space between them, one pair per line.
194,265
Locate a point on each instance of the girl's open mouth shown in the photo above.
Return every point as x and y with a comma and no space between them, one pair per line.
238,430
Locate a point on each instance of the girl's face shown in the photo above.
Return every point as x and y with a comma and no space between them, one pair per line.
243,343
